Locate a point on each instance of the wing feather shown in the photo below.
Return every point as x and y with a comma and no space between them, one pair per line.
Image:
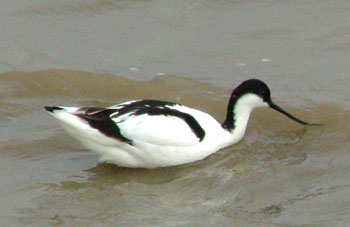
158,130
148,121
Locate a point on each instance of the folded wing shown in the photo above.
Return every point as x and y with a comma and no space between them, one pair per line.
147,121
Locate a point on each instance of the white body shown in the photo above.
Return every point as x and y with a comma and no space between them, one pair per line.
159,140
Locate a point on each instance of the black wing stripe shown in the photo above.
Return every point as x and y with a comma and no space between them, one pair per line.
101,119
157,107
190,121
103,123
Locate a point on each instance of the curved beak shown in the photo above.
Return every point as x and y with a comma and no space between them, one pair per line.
282,111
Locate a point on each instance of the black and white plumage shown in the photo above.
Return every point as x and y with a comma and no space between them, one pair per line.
152,133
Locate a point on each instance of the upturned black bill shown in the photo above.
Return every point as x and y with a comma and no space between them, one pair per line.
282,111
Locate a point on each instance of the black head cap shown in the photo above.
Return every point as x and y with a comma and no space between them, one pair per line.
253,86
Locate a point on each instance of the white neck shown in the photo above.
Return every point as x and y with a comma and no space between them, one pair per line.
242,110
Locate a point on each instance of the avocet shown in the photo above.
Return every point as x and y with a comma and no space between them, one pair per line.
153,133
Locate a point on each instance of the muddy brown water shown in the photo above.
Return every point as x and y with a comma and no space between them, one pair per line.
280,173
101,52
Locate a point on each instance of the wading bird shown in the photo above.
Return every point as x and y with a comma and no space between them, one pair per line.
152,133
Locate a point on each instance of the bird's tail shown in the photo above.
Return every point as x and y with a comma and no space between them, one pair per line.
52,109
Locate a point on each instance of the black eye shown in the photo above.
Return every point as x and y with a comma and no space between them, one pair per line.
263,93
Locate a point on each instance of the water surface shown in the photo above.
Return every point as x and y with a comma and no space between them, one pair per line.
101,52
280,173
